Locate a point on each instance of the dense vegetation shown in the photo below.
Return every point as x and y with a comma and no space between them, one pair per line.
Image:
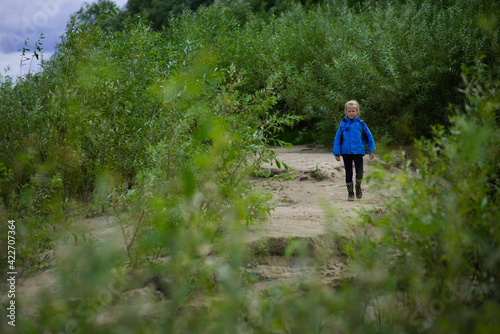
161,125
400,59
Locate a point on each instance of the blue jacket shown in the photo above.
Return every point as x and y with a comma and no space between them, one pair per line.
351,137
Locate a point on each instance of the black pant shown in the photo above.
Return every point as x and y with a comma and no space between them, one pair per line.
358,163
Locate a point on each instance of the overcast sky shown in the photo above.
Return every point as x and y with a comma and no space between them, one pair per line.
21,19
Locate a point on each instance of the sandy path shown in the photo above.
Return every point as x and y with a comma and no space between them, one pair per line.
298,209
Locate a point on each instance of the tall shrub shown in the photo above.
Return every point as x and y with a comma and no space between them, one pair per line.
435,260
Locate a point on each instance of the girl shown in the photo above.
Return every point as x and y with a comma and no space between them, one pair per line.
350,140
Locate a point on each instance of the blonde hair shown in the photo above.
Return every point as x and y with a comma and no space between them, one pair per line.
351,103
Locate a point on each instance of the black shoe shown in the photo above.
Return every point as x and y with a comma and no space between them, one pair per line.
350,192
359,192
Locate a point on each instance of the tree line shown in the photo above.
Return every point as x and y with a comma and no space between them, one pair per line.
400,59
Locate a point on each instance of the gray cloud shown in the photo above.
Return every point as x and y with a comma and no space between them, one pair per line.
13,61
21,19
27,19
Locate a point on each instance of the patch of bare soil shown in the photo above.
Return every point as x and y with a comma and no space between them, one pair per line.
318,178
309,204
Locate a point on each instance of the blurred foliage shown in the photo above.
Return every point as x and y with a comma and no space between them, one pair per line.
112,115
434,251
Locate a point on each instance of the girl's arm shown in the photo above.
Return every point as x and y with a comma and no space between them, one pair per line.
371,142
336,143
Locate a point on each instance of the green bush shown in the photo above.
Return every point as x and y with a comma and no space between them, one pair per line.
124,108
436,255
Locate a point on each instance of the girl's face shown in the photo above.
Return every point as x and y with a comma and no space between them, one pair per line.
351,111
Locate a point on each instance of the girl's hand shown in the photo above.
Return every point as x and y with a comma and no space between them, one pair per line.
337,157
372,156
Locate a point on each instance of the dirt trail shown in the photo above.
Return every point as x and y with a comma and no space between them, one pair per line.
298,211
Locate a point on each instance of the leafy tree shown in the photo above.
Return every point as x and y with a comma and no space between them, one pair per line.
159,11
103,12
